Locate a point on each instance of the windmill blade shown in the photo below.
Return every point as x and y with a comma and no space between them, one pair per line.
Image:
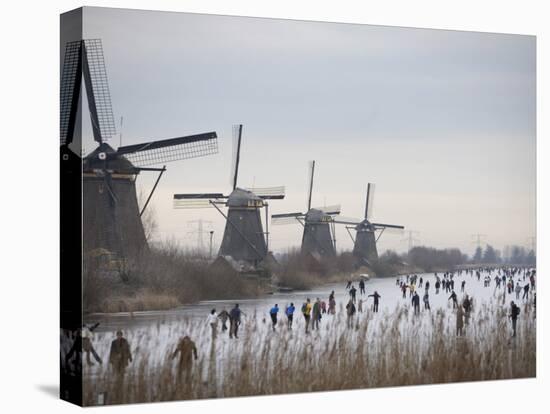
196,200
97,90
347,220
387,226
71,79
235,159
286,218
173,149
285,215
192,203
369,201
268,193
198,196
310,183
333,210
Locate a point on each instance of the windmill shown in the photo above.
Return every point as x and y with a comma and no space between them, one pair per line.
111,217
318,223
364,247
244,239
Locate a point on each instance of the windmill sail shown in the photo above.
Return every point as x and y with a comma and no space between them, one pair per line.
197,200
97,90
235,159
333,210
169,150
387,226
318,223
84,58
369,201
279,221
268,193
244,238
286,218
71,79
111,214
192,203
350,221
286,215
364,247
197,196
310,183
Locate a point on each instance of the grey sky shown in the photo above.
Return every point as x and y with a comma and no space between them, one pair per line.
442,121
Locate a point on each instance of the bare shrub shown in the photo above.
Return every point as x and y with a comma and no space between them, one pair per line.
431,259
164,277
140,301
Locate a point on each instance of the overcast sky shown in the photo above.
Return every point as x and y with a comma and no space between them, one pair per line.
443,122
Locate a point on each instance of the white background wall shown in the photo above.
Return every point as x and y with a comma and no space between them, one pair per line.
29,203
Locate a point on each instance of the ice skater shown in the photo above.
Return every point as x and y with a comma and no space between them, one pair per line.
186,349
352,293
426,300
316,314
212,321
224,317
514,313
120,355
87,346
273,314
289,311
454,299
235,321
306,311
518,290
526,291
459,321
376,297
350,310
416,303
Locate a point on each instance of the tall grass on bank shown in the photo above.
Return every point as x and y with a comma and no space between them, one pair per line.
302,272
141,300
385,349
162,278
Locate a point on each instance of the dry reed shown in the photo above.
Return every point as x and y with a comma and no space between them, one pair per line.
381,350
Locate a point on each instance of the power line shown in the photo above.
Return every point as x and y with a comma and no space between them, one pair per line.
199,231
532,243
479,239
411,239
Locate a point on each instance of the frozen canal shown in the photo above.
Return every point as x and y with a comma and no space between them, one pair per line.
386,287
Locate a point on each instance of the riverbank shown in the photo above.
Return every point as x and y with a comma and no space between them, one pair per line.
124,300
127,297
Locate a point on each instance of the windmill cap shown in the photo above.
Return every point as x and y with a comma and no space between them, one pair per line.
365,225
316,215
96,160
241,198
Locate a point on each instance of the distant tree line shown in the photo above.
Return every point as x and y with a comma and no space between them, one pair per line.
429,258
516,255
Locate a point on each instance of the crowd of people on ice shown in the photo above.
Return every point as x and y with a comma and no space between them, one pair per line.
514,281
